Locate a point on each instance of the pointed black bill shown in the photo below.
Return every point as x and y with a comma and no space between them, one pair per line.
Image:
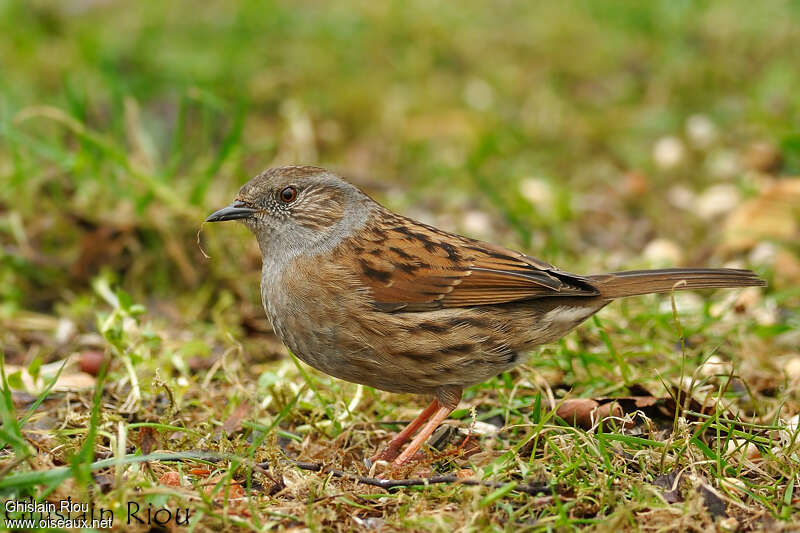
234,211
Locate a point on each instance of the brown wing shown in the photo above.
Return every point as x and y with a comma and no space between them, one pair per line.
409,266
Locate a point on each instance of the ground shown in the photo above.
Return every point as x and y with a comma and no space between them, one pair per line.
138,366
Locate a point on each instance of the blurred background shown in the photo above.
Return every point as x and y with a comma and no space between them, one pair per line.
597,135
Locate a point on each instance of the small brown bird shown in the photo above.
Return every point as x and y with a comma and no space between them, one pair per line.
372,297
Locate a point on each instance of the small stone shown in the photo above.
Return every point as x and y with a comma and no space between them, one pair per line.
767,314
129,325
91,362
729,524
700,131
734,263
748,300
483,428
734,483
370,522
763,253
686,302
476,222
478,94
743,447
65,331
793,423
538,192
788,435
714,366
669,152
681,197
687,383
663,253
716,200
792,368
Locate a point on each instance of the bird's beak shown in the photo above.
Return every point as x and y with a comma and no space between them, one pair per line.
234,211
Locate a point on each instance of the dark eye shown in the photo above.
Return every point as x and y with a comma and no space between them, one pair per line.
288,195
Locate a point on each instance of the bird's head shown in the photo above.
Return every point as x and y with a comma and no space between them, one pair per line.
296,209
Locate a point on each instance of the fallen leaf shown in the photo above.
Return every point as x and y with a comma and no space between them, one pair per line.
715,505
148,439
671,483
579,412
233,423
74,382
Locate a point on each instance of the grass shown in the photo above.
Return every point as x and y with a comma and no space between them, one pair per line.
595,135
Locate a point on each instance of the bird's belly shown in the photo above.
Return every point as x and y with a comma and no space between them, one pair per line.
416,352
331,343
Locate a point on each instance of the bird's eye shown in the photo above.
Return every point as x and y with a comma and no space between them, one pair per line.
288,195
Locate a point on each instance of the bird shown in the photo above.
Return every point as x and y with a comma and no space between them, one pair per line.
373,297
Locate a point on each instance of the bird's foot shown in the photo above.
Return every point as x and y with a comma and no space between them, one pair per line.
388,455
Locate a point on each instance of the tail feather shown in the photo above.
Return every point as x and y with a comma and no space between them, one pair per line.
635,282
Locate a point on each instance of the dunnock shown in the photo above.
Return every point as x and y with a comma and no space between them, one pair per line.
373,297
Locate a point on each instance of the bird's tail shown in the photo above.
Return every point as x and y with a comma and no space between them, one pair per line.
634,282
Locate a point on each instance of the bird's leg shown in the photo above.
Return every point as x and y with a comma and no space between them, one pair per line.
393,448
441,414
447,400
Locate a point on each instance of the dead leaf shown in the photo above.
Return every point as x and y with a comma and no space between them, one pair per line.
149,439
715,505
74,382
671,483
104,481
21,399
580,412
233,423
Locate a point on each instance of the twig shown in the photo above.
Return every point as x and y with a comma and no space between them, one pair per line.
388,484
532,489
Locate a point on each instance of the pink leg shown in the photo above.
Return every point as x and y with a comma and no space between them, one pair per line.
393,448
441,414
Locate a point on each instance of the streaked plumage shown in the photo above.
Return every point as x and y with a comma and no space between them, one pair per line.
376,298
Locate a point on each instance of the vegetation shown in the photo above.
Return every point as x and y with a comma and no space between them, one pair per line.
596,135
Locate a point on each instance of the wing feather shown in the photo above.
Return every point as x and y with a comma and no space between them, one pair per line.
409,266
